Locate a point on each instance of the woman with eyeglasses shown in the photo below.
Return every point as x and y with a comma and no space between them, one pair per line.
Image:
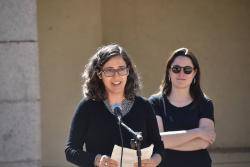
184,113
110,79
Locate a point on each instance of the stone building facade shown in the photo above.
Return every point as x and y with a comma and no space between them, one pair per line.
45,44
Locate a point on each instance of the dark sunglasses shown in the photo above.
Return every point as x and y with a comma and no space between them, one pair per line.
177,69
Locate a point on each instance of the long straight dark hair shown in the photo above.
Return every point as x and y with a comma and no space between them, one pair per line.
195,89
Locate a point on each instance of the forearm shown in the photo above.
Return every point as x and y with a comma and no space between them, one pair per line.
207,130
176,138
195,144
79,157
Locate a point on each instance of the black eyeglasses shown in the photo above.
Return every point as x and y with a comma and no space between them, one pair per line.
110,72
186,69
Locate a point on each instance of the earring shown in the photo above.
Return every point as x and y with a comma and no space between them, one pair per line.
169,79
99,75
194,80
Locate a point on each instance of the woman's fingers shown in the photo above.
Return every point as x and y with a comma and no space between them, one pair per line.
146,163
208,135
106,161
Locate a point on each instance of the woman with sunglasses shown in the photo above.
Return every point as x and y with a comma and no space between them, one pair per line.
110,79
184,114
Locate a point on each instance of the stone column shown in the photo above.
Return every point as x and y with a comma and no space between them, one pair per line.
19,85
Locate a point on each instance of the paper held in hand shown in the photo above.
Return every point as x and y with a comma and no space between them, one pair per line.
130,156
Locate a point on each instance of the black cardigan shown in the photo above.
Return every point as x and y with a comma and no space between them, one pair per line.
94,126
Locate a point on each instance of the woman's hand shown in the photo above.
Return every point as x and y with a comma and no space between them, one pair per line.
106,161
207,130
207,134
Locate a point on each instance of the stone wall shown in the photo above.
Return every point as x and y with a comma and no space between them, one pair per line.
19,85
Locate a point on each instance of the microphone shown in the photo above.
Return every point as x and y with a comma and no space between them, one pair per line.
117,111
135,143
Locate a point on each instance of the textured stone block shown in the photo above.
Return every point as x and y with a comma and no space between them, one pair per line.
19,77
20,132
18,20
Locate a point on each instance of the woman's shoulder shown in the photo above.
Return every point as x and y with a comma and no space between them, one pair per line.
143,105
206,102
87,102
141,100
155,97
207,99
206,108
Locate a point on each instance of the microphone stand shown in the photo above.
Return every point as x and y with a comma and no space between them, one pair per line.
119,122
135,142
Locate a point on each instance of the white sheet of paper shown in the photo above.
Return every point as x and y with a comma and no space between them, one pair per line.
130,156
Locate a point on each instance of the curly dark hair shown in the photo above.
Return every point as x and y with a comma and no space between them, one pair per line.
195,89
93,86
